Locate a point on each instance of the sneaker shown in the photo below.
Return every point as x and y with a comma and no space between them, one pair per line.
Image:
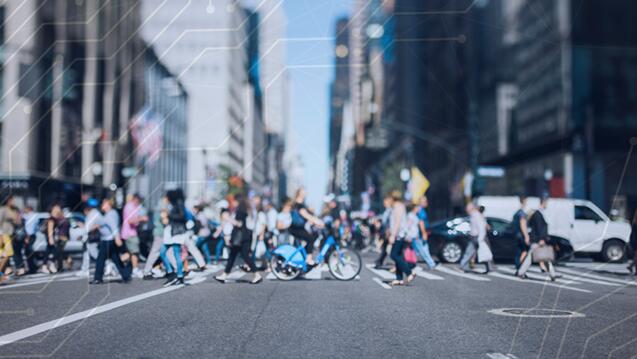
137,273
82,274
96,282
170,277
44,269
179,281
148,276
52,268
221,277
21,272
158,273
171,281
257,278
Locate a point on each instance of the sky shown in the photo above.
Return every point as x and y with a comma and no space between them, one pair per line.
311,71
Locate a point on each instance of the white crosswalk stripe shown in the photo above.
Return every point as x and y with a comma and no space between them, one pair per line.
538,276
422,273
475,277
580,278
583,273
383,274
530,281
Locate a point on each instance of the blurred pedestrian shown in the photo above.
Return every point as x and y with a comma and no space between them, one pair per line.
421,241
540,250
110,241
301,216
388,202
9,218
203,233
158,238
92,235
633,244
477,237
521,231
398,240
134,215
175,233
239,242
57,234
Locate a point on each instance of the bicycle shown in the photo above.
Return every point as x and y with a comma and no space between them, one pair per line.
288,261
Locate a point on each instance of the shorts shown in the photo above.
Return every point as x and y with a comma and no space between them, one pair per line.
132,244
6,247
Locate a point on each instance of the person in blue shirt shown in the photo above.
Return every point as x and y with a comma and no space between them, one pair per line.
421,244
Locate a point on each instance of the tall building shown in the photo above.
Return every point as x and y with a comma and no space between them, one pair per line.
339,96
275,86
573,111
160,132
72,80
204,43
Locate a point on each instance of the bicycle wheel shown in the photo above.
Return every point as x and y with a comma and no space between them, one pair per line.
281,271
344,264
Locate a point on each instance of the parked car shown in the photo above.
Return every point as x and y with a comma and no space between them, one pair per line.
448,240
586,227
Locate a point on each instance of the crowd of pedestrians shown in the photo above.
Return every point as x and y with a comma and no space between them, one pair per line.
171,240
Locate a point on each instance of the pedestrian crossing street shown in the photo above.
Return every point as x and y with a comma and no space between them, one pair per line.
571,277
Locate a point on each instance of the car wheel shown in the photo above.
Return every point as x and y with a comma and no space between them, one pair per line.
613,251
451,252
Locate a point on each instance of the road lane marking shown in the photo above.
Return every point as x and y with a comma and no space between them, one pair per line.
501,356
56,323
476,277
381,283
530,281
421,273
582,279
594,276
538,276
385,275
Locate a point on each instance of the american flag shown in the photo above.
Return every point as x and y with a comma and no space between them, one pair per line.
146,131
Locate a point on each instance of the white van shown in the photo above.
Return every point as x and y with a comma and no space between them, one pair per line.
581,222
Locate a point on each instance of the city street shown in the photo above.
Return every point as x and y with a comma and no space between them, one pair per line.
444,313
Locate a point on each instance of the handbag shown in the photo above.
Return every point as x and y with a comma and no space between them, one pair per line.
260,249
484,252
543,254
410,256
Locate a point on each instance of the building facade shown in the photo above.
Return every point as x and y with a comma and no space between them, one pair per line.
72,80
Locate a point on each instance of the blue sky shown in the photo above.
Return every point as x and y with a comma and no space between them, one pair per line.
310,76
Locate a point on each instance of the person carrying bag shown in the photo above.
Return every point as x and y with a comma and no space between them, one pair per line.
541,249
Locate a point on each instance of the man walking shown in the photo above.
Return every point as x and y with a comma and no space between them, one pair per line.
110,240
421,243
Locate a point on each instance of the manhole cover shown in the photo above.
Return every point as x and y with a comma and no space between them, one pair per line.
536,313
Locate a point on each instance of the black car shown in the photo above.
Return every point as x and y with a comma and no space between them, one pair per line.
448,239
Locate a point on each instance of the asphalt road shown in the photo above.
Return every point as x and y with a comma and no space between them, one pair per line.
443,314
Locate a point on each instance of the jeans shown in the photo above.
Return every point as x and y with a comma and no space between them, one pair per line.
219,247
402,267
383,253
469,252
108,249
177,253
422,247
202,242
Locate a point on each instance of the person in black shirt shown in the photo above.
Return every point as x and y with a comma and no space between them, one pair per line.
240,241
539,238
300,216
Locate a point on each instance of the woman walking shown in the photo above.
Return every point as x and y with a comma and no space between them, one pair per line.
175,233
398,240
239,242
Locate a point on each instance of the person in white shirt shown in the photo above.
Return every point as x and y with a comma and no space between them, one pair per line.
478,234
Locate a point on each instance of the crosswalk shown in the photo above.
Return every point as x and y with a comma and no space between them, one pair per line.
575,279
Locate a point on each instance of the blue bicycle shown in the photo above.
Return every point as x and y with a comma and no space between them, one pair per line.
288,262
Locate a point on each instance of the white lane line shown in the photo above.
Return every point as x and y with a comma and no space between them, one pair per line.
582,279
538,276
421,273
381,283
527,281
42,281
53,324
501,356
594,276
385,275
476,277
